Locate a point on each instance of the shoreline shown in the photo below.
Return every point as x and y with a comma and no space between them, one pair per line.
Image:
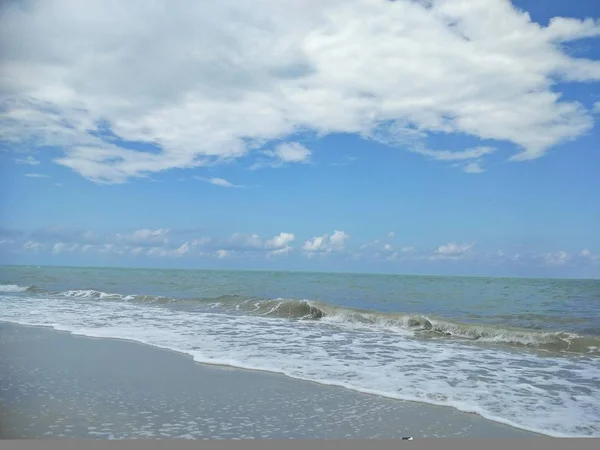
142,380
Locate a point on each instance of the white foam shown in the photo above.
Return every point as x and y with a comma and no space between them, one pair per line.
91,293
12,288
556,396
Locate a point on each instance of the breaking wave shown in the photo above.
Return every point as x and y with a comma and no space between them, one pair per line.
425,325
13,288
293,309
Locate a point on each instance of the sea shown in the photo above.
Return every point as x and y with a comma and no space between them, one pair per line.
520,351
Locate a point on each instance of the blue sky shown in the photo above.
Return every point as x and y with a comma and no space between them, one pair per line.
369,136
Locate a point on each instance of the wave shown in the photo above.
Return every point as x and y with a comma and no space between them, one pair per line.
427,325
13,288
93,294
303,310
100,295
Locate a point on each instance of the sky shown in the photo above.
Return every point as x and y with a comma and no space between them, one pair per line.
451,137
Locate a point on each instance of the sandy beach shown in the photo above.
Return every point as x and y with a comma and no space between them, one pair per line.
58,385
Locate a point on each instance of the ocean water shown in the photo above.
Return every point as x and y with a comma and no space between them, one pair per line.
524,352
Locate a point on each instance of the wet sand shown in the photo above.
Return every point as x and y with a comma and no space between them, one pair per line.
57,385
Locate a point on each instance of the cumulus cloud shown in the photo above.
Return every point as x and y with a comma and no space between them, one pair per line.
86,77
280,244
178,243
281,240
559,258
286,153
451,250
326,243
36,175
223,253
589,256
277,245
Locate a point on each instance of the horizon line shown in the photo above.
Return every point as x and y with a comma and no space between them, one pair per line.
325,272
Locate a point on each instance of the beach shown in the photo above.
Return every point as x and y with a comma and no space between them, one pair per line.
521,353
58,385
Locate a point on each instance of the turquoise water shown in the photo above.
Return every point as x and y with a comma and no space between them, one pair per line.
520,351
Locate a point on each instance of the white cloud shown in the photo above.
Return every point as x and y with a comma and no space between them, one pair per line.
473,167
557,258
388,247
201,241
281,243
391,235
162,251
445,155
286,153
200,93
240,242
326,243
314,244
243,241
36,175
281,251
223,253
219,182
338,238
109,248
289,152
589,256
596,108
61,247
30,160
33,246
281,240
451,250
144,236
182,250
